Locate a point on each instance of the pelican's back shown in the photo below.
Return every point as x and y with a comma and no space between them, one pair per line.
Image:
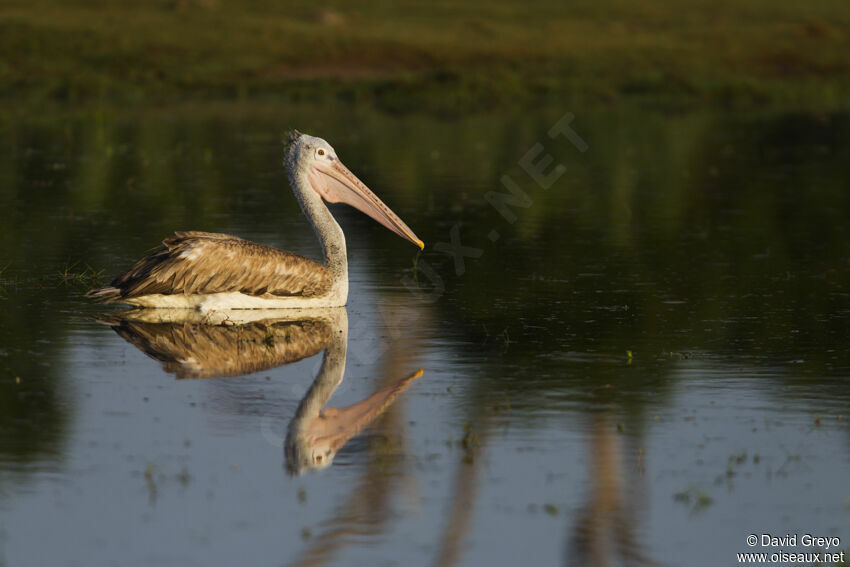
205,263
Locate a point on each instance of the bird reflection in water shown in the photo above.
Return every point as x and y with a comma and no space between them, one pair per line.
189,344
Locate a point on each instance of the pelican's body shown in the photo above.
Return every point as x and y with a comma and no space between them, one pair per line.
210,271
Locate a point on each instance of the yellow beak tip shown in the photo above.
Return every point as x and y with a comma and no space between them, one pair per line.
420,244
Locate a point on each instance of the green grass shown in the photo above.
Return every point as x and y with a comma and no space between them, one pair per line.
86,276
454,55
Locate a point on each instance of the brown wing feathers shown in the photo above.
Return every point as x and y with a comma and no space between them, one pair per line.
204,262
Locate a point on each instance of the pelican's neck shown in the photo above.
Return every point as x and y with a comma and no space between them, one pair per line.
325,226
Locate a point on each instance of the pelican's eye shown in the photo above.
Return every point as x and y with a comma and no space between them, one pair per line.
321,152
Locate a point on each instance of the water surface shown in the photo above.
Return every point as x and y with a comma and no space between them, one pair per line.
644,364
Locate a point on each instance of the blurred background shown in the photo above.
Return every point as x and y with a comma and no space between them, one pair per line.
441,56
653,350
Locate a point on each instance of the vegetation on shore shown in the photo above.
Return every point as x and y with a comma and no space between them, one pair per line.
441,54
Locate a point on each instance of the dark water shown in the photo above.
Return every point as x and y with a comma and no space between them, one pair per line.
645,363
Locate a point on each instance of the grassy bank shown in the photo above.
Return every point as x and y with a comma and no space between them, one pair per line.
441,54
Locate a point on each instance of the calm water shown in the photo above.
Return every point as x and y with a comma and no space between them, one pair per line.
644,364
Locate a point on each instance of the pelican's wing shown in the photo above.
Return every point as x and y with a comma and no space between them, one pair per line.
205,262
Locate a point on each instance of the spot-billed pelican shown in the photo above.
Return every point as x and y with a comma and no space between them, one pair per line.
210,271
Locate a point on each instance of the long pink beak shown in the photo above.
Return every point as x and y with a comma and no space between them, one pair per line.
336,184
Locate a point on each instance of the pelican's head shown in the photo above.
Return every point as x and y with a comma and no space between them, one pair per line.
315,162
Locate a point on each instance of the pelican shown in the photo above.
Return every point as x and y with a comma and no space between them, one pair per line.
209,271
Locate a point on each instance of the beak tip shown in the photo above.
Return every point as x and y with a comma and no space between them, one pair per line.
420,244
